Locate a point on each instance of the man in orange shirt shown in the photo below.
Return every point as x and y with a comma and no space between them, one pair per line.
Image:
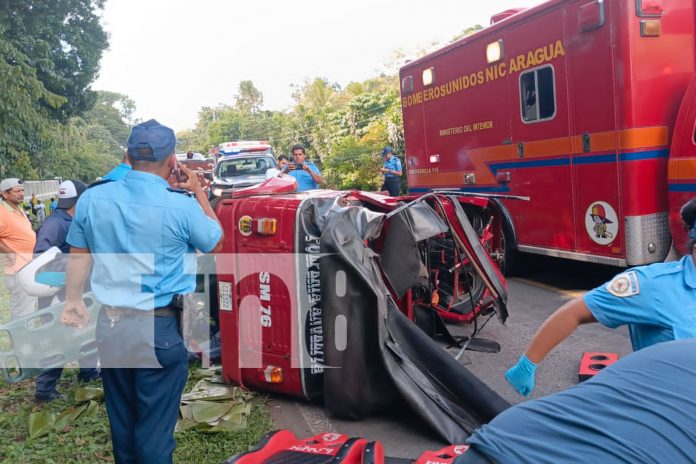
17,240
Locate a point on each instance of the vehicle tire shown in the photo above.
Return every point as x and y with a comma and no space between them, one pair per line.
511,263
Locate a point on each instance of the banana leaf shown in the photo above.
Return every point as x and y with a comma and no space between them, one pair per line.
66,417
84,394
41,423
209,411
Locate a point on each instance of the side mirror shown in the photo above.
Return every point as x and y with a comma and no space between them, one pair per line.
208,175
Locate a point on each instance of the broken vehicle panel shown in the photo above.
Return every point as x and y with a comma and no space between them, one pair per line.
338,326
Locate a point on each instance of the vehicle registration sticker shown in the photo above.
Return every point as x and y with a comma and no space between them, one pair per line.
225,295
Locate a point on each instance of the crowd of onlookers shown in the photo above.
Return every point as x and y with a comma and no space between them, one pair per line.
38,210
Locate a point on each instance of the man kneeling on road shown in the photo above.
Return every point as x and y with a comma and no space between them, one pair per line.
142,237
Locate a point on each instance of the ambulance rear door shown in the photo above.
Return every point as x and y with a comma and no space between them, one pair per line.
537,71
589,51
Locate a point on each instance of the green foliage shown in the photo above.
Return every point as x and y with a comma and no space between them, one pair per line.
110,120
467,32
354,165
78,150
63,41
343,130
23,119
249,99
87,439
49,56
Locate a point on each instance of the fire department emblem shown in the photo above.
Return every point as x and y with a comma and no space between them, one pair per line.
245,225
624,285
601,222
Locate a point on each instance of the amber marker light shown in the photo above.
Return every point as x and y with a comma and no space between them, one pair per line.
273,374
266,226
650,28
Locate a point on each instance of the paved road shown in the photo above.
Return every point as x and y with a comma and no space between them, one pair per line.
547,283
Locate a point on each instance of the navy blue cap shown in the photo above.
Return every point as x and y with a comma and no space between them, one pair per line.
151,134
386,150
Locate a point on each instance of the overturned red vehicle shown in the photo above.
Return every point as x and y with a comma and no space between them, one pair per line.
335,296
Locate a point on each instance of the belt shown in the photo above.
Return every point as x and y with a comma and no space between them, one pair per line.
115,312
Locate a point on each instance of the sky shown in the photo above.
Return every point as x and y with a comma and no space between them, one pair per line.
173,57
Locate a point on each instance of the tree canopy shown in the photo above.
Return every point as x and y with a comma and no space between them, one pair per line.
63,41
343,129
53,123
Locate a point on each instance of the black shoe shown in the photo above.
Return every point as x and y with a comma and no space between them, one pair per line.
93,377
52,396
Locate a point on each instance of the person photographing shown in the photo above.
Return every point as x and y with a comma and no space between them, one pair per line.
307,173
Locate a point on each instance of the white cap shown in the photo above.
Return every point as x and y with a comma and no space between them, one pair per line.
10,183
68,191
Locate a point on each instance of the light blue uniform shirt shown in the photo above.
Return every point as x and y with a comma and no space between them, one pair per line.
393,164
657,302
304,180
143,238
638,410
118,173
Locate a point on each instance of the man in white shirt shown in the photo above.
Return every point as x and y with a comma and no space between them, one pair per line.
280,167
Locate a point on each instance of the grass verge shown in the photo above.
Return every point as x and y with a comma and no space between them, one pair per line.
88,441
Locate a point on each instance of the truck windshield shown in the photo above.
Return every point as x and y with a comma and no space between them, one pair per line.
233,167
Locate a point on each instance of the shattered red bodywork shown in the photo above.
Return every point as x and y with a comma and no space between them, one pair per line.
283,298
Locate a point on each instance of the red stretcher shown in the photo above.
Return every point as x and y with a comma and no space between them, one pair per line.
283,447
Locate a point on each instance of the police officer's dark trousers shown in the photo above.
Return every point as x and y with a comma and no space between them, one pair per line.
392,184
142,401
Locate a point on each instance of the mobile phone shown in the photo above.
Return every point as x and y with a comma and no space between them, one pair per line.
178,175
299,166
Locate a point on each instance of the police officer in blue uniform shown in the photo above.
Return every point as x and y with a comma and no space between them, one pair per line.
140,237
392,172
656,302
53,232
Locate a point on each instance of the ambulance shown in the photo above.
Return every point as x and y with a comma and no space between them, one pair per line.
587,107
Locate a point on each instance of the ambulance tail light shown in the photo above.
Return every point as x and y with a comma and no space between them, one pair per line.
266,226
434,158
272,374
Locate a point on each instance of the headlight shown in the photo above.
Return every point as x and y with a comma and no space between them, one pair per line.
217,191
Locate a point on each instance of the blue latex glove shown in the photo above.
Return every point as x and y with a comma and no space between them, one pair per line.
521,376
53,279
